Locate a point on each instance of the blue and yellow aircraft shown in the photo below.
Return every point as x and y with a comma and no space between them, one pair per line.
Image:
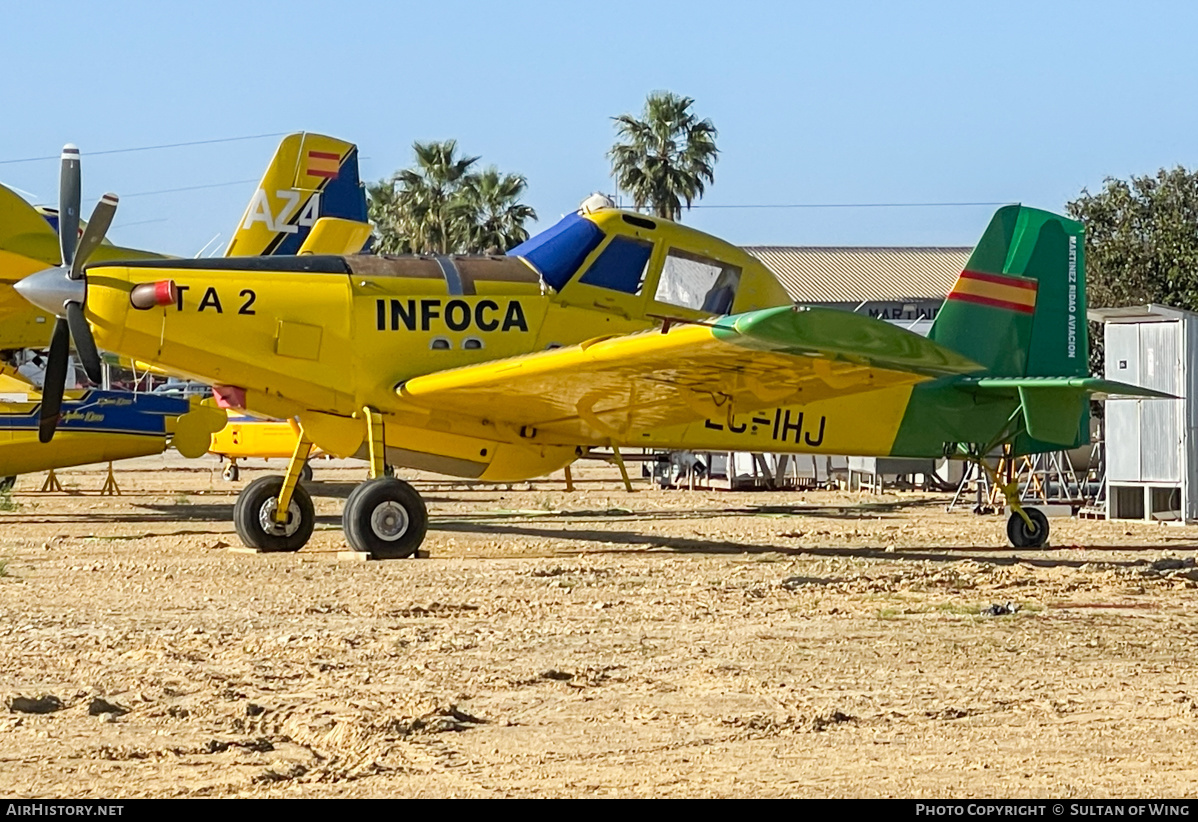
97,426
309,199
609,329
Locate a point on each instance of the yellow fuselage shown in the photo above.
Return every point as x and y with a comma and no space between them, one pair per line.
324,343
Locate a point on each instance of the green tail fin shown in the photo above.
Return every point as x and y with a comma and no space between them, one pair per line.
1019,308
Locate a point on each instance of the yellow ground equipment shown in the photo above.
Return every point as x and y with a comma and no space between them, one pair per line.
245,437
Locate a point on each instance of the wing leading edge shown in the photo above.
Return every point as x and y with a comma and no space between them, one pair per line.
609,389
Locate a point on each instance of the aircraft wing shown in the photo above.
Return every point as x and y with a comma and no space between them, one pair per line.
612,388
28,243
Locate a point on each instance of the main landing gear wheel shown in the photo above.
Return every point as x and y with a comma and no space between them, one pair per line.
231,472
385,518
1022,536
253,516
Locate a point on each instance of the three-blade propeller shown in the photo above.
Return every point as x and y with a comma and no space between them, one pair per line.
62,290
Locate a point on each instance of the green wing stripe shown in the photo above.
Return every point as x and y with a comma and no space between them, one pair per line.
828,333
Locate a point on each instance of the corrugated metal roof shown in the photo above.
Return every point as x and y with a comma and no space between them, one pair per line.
851,274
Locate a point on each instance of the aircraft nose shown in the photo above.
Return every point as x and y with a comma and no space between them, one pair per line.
51,289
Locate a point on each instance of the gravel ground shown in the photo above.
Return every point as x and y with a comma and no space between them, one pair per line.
599,643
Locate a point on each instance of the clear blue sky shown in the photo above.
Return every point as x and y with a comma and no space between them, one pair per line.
815,102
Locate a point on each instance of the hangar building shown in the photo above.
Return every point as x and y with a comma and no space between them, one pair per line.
906,285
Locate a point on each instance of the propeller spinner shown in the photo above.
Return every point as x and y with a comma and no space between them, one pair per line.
62,290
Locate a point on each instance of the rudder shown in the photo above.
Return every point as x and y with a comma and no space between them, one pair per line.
1019,307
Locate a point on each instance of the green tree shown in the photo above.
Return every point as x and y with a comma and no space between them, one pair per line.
440,206
1141,244
393,233
496,215
666,157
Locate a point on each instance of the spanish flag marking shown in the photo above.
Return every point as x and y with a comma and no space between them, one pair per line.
996,291
324,164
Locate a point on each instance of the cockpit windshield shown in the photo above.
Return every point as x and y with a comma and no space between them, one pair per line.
557,252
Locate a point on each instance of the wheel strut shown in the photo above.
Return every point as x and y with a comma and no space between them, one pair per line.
377,442
1025,528
299,458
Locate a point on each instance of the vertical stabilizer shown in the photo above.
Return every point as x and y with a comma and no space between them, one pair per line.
311,176
1019,307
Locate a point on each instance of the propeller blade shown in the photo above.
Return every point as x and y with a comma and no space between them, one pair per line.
85,344
93,235
68,204
55,382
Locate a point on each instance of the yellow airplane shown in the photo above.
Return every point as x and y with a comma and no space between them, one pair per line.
246,437
310,199
96,426
609,329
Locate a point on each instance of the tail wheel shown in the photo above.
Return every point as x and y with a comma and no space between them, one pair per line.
385,518
253,516
306,472
1022,536
231,472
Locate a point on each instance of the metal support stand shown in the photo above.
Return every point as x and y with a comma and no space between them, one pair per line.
966,476
52,485
110,488
569,479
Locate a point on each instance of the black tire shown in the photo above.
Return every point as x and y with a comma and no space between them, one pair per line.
385,518
252,516
1023,537
7,483
306,472
231,473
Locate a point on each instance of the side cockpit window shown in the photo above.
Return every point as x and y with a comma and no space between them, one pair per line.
621,266
699,283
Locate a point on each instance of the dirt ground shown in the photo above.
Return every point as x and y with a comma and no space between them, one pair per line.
600,643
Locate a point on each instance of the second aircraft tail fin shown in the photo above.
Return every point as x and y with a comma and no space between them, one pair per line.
311,176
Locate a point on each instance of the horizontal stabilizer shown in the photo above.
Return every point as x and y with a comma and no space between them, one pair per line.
1097,388
334,235
1054,408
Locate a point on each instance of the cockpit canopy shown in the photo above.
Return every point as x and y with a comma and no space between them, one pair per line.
559,250
630,254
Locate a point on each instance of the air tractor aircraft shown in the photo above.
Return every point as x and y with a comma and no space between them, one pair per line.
609,329
310,199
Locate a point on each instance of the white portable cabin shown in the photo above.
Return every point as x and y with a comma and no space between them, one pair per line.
1151,446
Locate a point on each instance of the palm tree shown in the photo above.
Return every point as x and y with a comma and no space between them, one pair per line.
393,231
430,193
440,206
421,207
666,157
497,215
